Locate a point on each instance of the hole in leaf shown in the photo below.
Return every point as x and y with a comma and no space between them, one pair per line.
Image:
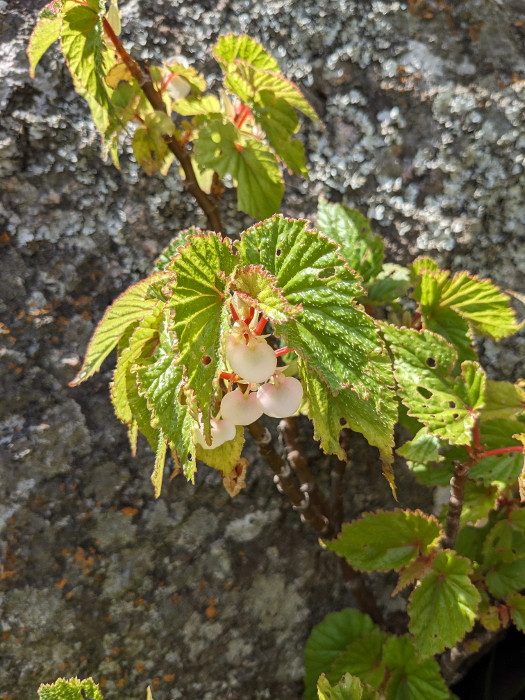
455,415
206,359
431,362
363,230
189,457
424,392
278,252
452,404
342,421
326,273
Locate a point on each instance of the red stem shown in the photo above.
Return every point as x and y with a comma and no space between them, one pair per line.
282,351
475,436
242,116
501,451
234,313
260,326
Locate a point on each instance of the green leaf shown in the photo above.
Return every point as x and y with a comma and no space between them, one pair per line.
195,80
516,603
506,540
328,641
390,284
45,33
225,457
348,227
443,606
411,679
230,47
470,539
73,689
348,688
202,318
423,448
329,412
139,340
161,382
258,288
423,367
85,52
479,302
279,122
190,106
506,578
333,335
220,146
130,307
164,259
363,658
503,400
386,540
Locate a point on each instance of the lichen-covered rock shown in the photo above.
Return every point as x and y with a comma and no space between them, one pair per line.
198,595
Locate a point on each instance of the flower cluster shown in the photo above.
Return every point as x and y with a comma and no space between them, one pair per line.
261,385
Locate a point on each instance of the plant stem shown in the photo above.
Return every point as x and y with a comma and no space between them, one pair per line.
206,203
289,431
455,503
362,594
501,451
285,481
337,474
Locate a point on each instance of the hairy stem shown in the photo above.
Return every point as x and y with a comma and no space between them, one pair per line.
455,503
206,203
289,430
337,475
285,480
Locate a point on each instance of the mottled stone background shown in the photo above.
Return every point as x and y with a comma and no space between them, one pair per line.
199,595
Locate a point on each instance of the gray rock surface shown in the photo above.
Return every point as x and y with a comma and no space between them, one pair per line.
197,594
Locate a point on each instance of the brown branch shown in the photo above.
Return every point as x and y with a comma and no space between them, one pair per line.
455,503
285,480
288,428
337,474
361,592
207,204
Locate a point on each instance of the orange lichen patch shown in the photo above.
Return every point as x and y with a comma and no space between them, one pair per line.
103,681
86,561
139,601
169,677
6,635
140,667
202,585
475,30
82,300
128,510
176,599
155,682
61,583
5,238
86,315
211,610
4,330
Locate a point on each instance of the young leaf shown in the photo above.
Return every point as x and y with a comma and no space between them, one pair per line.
149,147
348,688
202,317
220,146
247,82
386,540
73,689
279,122
411,679
506,578
232,46
164,259
422,448
258,288
423,365
130,307
45,33
391,283
328,641
478,302
84,49
348,227
503,400
443,606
